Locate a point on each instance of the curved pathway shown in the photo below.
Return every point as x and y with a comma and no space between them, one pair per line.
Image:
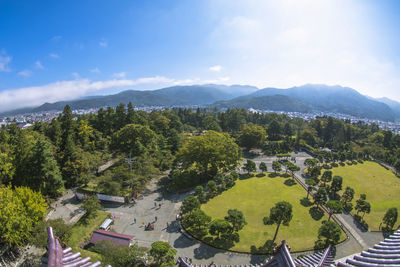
166,227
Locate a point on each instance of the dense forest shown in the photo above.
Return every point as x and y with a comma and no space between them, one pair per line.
47,158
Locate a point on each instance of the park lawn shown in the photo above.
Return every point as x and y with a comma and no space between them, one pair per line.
82,231
254,197
380,185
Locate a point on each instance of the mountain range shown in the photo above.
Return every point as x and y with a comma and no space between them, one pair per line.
306,98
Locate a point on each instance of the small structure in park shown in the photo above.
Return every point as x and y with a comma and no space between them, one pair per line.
59,257
106,224
117,239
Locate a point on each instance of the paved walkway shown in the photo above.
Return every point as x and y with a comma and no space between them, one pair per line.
67,208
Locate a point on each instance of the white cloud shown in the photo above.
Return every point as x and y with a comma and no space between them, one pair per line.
103,43
119,75
25,73
4,61
56,38
39,65
95,70
216,68
286,43
67,90
75,75
54,55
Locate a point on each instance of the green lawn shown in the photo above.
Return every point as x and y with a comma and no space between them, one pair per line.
254,197
82,231
381,186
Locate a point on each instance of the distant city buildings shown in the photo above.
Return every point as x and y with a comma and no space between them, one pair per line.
26,120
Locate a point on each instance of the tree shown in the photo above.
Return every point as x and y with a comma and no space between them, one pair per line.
199,193
7,168
274,131
362,205
281,213
62,230
347,196
163,254
210,153
134,138
333,206
320,197
326,177
276,166
310,186
212,189
121,256
189,204
293,168
220,228
330,231
390,218
21,210
336,185
263,167
314,172
249,166
252,136
91,205
45,174
236,218
287,129
310,162
198,221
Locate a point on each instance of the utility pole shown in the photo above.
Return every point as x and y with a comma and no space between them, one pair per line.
130,161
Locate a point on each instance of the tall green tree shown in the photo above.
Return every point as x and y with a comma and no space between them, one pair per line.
210,153
281,213
390,218
263,167
163,254
189,204
330,231
45,173
326,177
276,166
197,221
336,185
249,166
236,218
21,209
220,228
333,206
320,197
91,205
252,136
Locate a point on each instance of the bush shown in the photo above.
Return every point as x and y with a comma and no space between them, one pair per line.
334,164
327,166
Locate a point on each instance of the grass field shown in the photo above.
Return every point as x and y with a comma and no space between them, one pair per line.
381,186
82,231
254,197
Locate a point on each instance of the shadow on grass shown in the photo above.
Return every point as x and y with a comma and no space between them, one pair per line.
245,176
273,175
290,182
316,213
286,175
260,175
305,202
267,248
224,242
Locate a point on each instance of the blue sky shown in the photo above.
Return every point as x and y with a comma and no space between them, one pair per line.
59,50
